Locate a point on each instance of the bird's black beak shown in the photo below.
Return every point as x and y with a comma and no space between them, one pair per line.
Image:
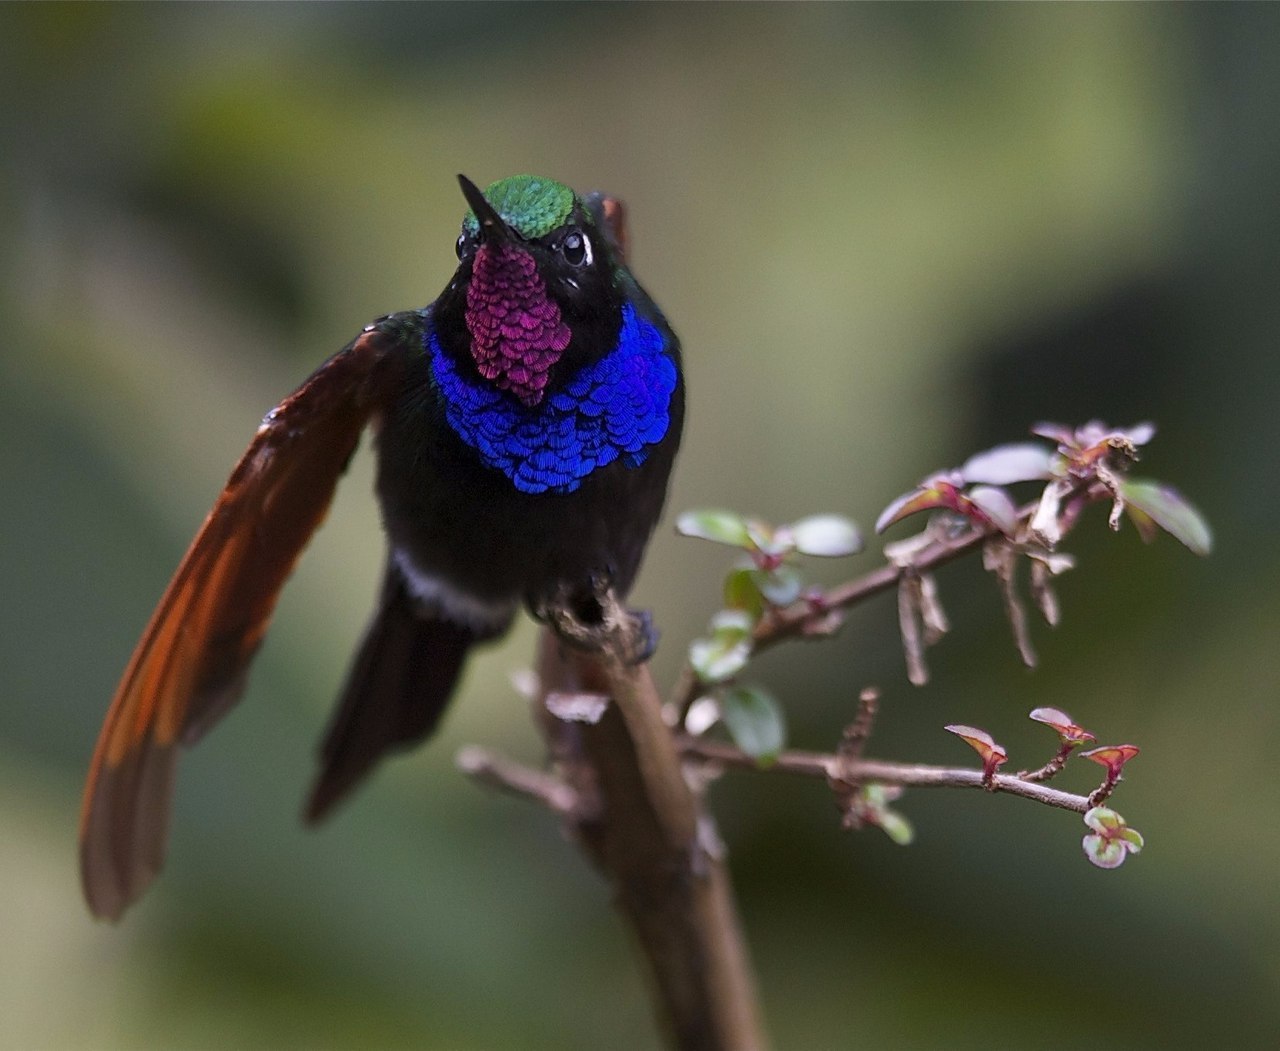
492,229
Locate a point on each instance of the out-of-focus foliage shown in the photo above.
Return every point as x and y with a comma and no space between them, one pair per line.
887,235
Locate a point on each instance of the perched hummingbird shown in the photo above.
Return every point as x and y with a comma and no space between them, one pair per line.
526,425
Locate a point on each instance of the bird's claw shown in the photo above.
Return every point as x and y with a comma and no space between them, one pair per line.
644,636
594,619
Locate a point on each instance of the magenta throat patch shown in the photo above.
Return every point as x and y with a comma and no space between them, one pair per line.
516,330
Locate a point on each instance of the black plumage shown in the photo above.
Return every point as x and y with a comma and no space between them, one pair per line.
526,423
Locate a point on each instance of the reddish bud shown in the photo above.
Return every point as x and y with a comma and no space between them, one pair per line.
986,507
933,495
993,755
1113,757
1071,733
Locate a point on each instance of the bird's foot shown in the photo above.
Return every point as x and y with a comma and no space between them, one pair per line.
644,636
593,618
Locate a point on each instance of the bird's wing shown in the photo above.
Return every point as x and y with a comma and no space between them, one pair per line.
191,662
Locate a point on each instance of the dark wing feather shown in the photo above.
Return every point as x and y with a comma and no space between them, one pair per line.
396,692
190,664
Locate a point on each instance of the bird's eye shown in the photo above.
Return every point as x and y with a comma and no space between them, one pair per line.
460,247
576,248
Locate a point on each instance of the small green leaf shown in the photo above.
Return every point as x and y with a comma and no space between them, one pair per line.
1112,840
870,806
1105,821
828,536
1103,852
754,720
741,592
1146,526
780,586
897,827
733,623
727,651
766,540
720,527
876,795
717,659
1170,510
703,714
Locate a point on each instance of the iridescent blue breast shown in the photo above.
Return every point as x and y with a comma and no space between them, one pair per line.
614,409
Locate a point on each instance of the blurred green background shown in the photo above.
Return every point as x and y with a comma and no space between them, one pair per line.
888,236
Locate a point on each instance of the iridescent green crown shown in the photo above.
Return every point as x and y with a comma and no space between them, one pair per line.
531,205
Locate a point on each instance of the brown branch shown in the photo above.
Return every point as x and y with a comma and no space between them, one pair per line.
649,835
908,775
792,620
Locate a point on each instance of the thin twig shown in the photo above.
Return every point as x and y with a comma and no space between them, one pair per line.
799,618
794,620
908,775
1001,558
844,782
856,734
496,771
909,627
1050,769
785,623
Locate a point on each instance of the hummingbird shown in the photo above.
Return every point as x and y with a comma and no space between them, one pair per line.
525,423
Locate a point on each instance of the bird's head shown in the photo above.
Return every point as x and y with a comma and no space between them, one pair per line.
536,293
